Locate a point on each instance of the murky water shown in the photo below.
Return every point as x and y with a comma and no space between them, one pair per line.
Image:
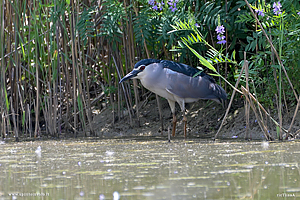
149,168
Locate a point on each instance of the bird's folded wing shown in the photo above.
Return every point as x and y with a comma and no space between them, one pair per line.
188,87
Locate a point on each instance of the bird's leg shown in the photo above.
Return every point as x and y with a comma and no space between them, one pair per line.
184,124
172,106
160,113
174,121
182,105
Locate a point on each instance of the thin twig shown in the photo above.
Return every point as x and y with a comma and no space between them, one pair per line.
296,133
247,106
259,120
295,113
146,99
14,120
261,116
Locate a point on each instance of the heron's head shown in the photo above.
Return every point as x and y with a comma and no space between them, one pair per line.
139,69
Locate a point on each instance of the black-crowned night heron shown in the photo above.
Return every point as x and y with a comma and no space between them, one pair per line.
175,82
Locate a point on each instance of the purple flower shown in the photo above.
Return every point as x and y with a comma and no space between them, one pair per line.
197,25
151,2
221,42
220,29
221,37
260,12
156,5
172,4
173,8
298,13
160,5
276,8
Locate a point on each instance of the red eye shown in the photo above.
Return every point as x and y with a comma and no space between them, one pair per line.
142,67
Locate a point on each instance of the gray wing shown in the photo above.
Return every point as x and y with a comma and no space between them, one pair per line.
200,87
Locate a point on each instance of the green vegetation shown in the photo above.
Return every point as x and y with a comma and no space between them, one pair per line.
60,60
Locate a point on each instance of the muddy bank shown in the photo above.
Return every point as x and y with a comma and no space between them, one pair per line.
204,118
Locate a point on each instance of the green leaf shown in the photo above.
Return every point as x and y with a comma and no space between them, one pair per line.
278,131
203,61
218,75
23,118
6,99
233,55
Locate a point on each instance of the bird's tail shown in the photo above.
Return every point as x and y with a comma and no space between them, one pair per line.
220,93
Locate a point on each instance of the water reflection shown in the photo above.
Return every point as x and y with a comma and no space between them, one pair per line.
149,169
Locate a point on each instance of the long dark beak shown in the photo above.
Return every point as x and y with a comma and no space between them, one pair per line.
130,75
